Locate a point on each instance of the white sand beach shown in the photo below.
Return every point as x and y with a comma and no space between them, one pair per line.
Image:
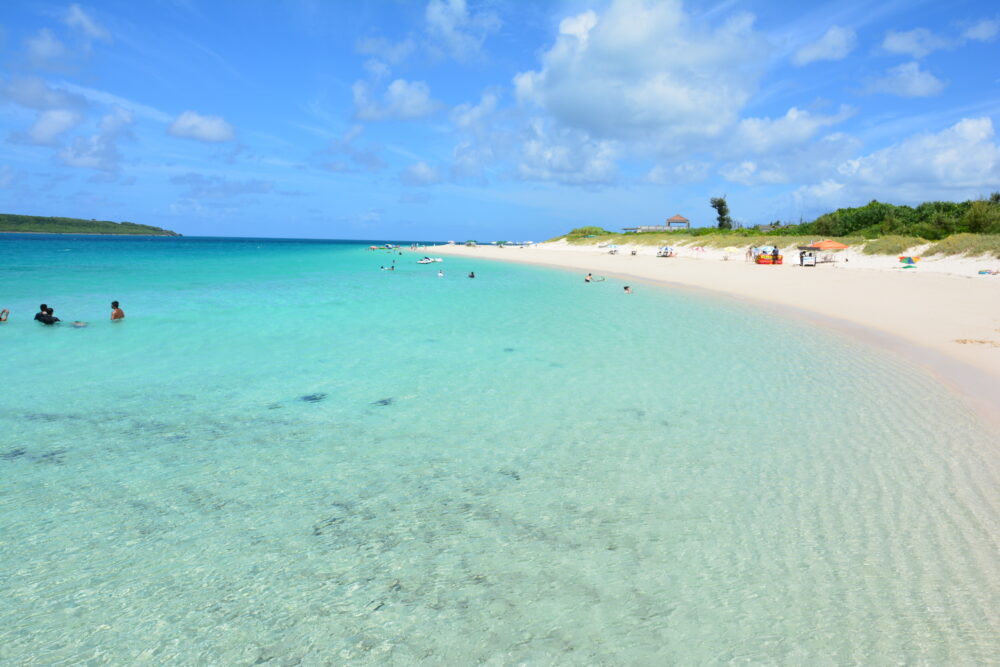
941,314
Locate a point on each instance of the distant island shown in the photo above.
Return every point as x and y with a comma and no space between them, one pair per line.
39,224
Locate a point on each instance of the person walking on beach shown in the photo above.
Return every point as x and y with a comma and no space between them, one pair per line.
116,312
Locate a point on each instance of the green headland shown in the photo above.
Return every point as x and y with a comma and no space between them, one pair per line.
40,224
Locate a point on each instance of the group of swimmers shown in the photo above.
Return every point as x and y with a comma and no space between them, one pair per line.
589,278
46,315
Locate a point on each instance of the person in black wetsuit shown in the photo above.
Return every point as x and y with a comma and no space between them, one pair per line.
41,314
47,317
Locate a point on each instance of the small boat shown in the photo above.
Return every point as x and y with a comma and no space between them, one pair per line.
428,260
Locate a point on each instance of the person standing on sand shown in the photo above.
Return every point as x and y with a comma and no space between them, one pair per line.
116,312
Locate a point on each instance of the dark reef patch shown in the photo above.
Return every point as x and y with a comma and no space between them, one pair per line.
513,474
384,401
12,454
54,457
313,398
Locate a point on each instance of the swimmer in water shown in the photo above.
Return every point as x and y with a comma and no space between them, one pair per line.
472,274
47,317
588,278
4,314
440,273
42,313
116,312
628,290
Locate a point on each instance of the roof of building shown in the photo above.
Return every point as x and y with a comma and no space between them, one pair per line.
678,218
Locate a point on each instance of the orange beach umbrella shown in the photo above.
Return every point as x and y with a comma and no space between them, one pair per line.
827,244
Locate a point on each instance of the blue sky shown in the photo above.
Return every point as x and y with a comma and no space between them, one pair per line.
455,119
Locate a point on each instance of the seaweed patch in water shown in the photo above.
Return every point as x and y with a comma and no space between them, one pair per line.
513,474
384,401
12,454
508,349
54,457
313,398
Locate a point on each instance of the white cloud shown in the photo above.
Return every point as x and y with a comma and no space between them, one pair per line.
192,125
566,156
470,117
750,173
33,93
984,31
100,151
44,49
763,135
961,161
685,172
420,173
462,33
643,72
48,126
916,43
78,19
908,80
834,45
403,100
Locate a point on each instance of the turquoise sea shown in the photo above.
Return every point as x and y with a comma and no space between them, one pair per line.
286,456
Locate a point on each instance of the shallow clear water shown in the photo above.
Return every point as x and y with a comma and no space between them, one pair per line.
285,455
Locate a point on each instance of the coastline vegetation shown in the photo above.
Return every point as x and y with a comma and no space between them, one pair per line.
37,224
946,228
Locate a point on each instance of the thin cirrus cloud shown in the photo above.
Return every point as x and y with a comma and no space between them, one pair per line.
835,44
461,32
191,125
78,19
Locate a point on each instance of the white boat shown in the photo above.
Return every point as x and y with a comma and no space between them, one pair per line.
428,260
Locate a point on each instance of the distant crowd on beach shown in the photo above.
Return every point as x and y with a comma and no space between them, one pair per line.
46,315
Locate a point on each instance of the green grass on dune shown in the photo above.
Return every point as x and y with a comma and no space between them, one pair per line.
973,245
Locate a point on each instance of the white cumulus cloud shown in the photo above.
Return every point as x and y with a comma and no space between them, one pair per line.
762,135
100,151
44,48
403,100
566,156
959,162
48,126
834,45
908,80
33,93
644,72
983,31
916,43
461,32
191,125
